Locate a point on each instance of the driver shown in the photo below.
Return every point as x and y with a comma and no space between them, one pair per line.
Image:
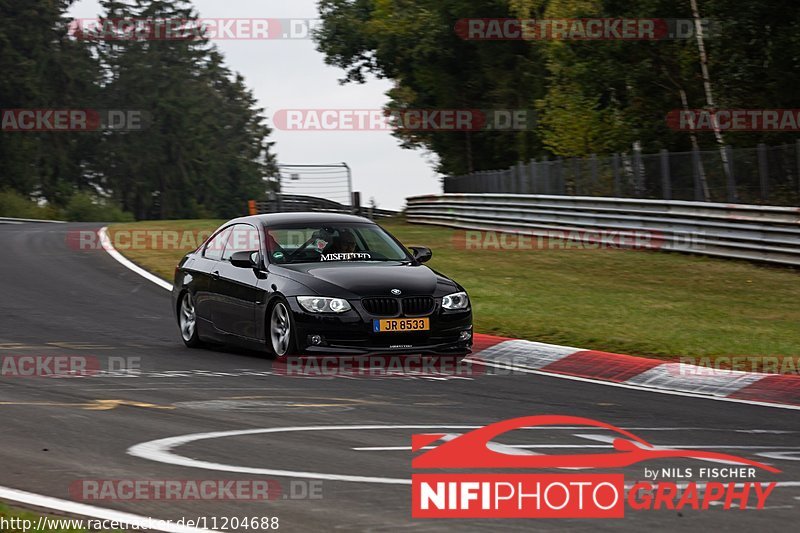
345,243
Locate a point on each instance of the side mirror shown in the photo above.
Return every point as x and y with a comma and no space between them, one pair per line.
245,259
421,254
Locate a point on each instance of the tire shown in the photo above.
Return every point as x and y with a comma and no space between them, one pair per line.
187,321
280,330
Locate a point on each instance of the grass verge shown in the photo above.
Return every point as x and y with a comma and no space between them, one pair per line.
635,302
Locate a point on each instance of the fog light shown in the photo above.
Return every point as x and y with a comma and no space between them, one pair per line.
316,340
465,335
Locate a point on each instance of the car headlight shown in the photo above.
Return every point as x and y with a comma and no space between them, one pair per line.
458,300
317,304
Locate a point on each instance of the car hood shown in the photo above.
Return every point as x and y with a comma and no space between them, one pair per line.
368,279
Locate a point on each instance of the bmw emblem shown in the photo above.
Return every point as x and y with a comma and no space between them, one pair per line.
397,292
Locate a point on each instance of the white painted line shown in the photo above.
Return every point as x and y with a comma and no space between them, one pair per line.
792,449
506,447
121,259
783,456
635,387
89,511
610,440
162,451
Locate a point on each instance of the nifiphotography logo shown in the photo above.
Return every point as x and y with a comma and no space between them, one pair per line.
576,494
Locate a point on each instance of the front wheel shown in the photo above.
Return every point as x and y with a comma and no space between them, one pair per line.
281,334
187,321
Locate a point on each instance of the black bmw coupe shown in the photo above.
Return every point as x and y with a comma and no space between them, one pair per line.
318,283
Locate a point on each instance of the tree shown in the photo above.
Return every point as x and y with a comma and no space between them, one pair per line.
414,43
205,150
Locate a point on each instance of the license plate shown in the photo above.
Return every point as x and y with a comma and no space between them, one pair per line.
399,325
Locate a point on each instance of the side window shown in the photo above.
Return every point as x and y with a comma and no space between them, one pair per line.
216,245
243,238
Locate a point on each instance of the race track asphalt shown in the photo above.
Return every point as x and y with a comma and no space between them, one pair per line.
56,300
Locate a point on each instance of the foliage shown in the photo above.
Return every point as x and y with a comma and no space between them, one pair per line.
205,148
80,207
15,205
85,208
592,96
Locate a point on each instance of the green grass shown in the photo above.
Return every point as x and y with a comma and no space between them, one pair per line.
161,260
635,302
15,517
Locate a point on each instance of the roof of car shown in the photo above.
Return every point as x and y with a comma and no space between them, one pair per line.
276,219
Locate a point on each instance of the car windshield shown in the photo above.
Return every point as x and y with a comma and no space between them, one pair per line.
332,243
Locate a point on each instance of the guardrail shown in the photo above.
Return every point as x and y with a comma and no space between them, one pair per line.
11,220
752,232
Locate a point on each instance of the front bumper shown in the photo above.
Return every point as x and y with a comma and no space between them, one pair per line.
351,333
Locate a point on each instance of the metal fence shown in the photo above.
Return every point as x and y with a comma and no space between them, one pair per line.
765,175
292,203
761,233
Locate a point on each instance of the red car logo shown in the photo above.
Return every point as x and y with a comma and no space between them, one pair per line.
471,451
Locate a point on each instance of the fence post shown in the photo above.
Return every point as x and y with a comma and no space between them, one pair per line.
512,187
696,171
522,177
595,173
561,185
546,174
576,176
797,150
666,181
617,179
763,171
732,195
533,176
638,178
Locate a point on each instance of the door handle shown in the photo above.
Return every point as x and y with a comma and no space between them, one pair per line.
215,275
